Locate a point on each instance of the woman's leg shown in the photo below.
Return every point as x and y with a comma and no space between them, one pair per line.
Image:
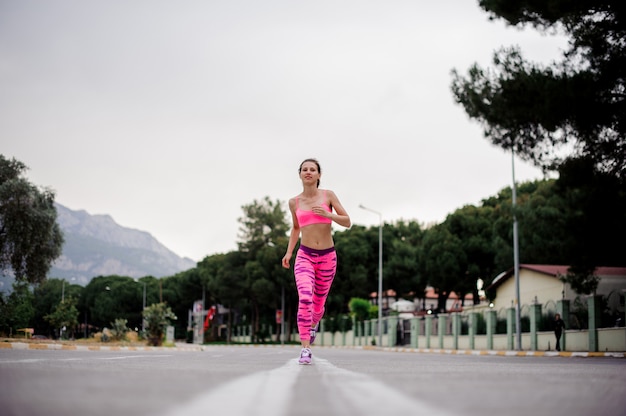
304,273
325,268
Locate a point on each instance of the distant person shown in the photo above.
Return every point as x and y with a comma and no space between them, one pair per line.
316,260
559,326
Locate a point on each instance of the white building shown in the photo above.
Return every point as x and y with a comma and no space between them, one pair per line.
541,283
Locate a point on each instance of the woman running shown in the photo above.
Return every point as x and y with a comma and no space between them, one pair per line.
316,259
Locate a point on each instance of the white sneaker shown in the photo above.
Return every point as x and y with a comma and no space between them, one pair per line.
305,356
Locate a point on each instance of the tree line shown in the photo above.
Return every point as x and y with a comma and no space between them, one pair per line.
561,221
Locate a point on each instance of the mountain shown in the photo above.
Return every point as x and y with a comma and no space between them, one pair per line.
95,245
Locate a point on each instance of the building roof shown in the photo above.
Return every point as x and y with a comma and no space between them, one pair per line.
430,293
554,270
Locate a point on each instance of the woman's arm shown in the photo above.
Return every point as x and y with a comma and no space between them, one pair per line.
293,236
340,216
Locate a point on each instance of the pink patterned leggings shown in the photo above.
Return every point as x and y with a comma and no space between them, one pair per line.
314,271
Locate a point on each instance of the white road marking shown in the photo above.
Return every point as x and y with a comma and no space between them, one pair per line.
24,361
124,357
39,360
261,393
359,394
272,391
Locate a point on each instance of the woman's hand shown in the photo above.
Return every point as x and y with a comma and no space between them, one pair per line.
286,261
319,210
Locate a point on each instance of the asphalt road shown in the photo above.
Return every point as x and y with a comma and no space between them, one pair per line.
268,381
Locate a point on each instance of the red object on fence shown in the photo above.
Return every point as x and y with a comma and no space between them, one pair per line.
209,317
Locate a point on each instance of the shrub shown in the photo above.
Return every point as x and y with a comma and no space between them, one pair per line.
360,308
158,316
119,330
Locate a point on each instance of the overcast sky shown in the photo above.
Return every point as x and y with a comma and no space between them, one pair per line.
171,115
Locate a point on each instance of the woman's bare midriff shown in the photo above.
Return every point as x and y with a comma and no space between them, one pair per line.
317,236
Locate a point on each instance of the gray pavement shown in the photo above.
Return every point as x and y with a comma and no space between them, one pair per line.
267,381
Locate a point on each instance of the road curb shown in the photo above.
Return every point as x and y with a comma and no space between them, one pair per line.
583,354
78,347
195,347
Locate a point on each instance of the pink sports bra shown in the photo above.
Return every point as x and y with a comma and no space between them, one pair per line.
309,217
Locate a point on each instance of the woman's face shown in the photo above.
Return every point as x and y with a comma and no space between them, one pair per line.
309,173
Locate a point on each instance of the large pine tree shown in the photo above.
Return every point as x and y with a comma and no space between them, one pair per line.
572,108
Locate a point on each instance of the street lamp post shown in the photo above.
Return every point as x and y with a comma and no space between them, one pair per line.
380,274
143,321
518,324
